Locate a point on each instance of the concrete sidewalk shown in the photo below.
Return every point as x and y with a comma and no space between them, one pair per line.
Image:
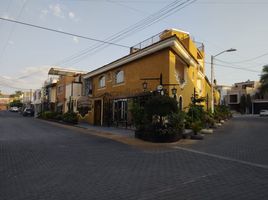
112,130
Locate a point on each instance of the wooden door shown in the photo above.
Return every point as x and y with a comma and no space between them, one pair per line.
97,112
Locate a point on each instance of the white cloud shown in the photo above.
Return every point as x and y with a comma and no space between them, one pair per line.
75,39
29,78
6,16
71,15
56,10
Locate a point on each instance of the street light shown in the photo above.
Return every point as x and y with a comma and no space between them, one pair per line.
174,91
144,85
212,76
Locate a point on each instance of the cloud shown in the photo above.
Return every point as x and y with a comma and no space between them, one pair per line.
6,16
56,10
71,15
75,39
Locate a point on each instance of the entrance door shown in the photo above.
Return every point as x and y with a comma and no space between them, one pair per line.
97,112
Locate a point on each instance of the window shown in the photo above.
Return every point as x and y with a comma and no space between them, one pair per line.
119,77
88,87
102,81
233,98
120,110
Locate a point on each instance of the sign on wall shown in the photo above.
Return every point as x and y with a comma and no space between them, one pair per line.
84,105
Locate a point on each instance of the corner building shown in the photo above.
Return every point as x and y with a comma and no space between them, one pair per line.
169,62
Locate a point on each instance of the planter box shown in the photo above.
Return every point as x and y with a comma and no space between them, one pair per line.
206,131
218,124
147,136
187,133
197,137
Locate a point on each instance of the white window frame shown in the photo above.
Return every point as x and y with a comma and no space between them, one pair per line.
102,82
119,77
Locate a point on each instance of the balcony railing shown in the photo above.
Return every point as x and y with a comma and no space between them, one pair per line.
199,46
154,39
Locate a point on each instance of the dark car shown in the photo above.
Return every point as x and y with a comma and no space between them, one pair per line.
28,112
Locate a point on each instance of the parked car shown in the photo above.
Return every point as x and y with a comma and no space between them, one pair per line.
14,109
264,113
28,112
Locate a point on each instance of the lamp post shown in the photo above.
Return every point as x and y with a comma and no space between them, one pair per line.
212,76
174,92
160,86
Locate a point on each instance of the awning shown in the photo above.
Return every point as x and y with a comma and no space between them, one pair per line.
64,72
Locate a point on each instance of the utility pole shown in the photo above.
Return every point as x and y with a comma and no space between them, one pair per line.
212,76
212,84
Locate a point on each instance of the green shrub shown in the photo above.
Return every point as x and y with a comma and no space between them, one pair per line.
196,126
176,121
70,117
48,115
208,120
159,120
160,106
222,112
138,116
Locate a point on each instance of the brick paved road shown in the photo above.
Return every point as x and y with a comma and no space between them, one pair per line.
42,161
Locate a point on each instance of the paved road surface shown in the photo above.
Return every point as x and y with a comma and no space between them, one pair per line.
43,161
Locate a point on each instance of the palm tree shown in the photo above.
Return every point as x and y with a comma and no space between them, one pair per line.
264,80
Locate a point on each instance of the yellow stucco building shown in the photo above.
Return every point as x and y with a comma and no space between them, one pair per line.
170,62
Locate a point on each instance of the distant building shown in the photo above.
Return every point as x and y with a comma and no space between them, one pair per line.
244,90
66,90
26,98
223,90
4,101
37,101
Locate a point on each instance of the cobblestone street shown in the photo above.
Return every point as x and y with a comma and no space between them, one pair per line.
45,161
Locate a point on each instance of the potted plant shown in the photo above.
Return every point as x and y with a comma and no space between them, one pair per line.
196,127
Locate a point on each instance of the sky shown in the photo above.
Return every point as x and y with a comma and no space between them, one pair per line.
27,53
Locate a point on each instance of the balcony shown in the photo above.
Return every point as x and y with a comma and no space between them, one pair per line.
152,40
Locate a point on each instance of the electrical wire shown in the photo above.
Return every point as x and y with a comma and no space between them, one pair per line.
12,30
117,35
235,67
62,32
154,18
245,61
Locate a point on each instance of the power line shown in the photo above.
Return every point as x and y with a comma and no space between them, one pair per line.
12,30
245,61
154,18
62,32
117,35
235,67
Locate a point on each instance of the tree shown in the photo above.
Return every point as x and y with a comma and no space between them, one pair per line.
15,103
160,106
264,80
16,94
